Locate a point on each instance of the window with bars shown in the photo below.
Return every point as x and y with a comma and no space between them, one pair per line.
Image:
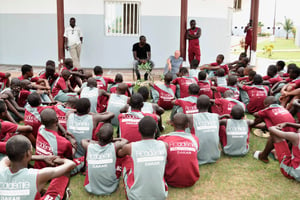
237,4
122,18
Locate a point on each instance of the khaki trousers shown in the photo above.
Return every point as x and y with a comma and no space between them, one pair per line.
75,54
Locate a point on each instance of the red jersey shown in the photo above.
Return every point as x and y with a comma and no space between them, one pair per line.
193,42
221,90
73,82
3,147
22,99
50,79
225,67
244,79
273,79
96,130
3,81
70,70
7,130
248,38
60,84
184,83
285,75
296,81
205,88
188,104
182,169
257,95
32,117
48,142
61,112
224,106
166,95
102,82
129,125
32,79
113,88
276,114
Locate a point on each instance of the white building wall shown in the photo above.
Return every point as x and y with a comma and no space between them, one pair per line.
28,6
209,8
297,39
288,8
30,31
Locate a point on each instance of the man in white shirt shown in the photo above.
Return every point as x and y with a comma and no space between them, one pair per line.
73,38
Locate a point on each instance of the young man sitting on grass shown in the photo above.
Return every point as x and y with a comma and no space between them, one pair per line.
144,167
182,169
235,138
187,105
183,82
30,182
273,114
205,126
103,165
289,159
163,94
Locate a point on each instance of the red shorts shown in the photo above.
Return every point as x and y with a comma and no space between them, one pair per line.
222,135
79,165
56,188
3,147
284,158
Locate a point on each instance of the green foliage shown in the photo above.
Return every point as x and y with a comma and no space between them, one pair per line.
268,50
294,30
288,26
264,34
280,43
260,24
145,66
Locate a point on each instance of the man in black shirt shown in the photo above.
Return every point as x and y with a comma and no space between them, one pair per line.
141,54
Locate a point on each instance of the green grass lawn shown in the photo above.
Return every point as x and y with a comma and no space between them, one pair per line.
279,44
229,178
294,55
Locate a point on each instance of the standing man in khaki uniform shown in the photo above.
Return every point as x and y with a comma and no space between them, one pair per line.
73,39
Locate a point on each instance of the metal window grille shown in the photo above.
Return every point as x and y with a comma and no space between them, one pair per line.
237,4
122,18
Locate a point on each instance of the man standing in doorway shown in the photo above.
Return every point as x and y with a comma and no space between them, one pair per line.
141,54
73,39
193,34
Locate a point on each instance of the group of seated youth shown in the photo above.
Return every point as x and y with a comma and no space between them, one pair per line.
69,119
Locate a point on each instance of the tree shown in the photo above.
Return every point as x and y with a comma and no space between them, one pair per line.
288,26
294,32
259,26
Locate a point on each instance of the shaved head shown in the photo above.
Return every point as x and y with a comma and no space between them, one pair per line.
270,100
105,133
16,148
91,82
228,94
72,102
180,121
48,117
203,102
237,112
147,127
122,88
177,54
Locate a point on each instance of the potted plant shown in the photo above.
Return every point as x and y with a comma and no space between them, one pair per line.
145,68
259,26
